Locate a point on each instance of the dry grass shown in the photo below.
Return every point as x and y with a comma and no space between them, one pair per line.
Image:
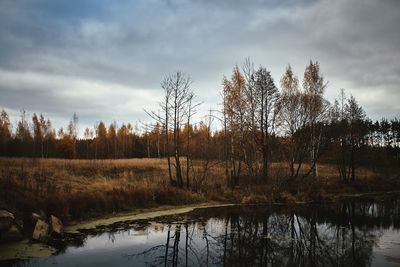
82,188
74,189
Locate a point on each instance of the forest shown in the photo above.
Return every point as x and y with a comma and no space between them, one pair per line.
267,142
259,123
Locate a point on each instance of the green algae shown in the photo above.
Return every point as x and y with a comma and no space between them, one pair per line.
24,250
138,215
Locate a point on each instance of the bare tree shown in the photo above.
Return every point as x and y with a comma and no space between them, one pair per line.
235,123
250,118
176,105
87,136
5,130
37,134
340,122
356,115
250,99
303,117
190,111
267,96
147,128
292,118
73,132
205,150
317,107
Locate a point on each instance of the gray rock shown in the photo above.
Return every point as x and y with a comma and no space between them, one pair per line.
29,222
6,214
56,225
35,217
12,234
6,220
41,231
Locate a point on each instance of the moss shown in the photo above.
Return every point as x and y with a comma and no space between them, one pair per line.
137,215
393,259
24,249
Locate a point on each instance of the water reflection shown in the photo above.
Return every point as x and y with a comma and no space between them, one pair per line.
341,234
336,235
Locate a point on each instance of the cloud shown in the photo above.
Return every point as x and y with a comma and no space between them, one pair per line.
105,60
59,97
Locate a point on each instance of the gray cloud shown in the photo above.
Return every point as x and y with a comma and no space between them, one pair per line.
107,52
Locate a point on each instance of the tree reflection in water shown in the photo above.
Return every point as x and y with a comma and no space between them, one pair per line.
341,234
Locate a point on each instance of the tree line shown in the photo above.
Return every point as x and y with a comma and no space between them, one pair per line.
34,136
260,122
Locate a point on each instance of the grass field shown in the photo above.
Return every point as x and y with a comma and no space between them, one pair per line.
76,189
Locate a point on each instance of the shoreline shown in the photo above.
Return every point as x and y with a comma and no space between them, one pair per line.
165,210
26,249
140,214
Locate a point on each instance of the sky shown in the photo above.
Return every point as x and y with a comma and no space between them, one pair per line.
105,59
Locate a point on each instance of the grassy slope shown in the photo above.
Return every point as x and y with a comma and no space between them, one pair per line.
77,189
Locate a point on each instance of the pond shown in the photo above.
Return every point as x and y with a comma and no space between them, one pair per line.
350,233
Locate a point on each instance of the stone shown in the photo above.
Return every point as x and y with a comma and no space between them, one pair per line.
41,230
35,217
56,225
6,214
29,223
6,220
12,234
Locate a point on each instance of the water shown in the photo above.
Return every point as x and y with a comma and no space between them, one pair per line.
361,233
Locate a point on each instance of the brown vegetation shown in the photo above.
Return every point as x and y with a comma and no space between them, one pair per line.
272,144
75,189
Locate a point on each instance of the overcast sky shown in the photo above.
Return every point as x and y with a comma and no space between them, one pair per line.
104,60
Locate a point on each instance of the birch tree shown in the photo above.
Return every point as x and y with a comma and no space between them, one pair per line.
314,87
292,118
235,120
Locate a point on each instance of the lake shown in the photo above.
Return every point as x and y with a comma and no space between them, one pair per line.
349,233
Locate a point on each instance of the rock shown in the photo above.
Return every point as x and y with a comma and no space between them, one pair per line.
10,230
56,225
35,217
6,220
12,234
29,223
41,230
7,214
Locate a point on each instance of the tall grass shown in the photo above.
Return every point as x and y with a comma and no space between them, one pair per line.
75,189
